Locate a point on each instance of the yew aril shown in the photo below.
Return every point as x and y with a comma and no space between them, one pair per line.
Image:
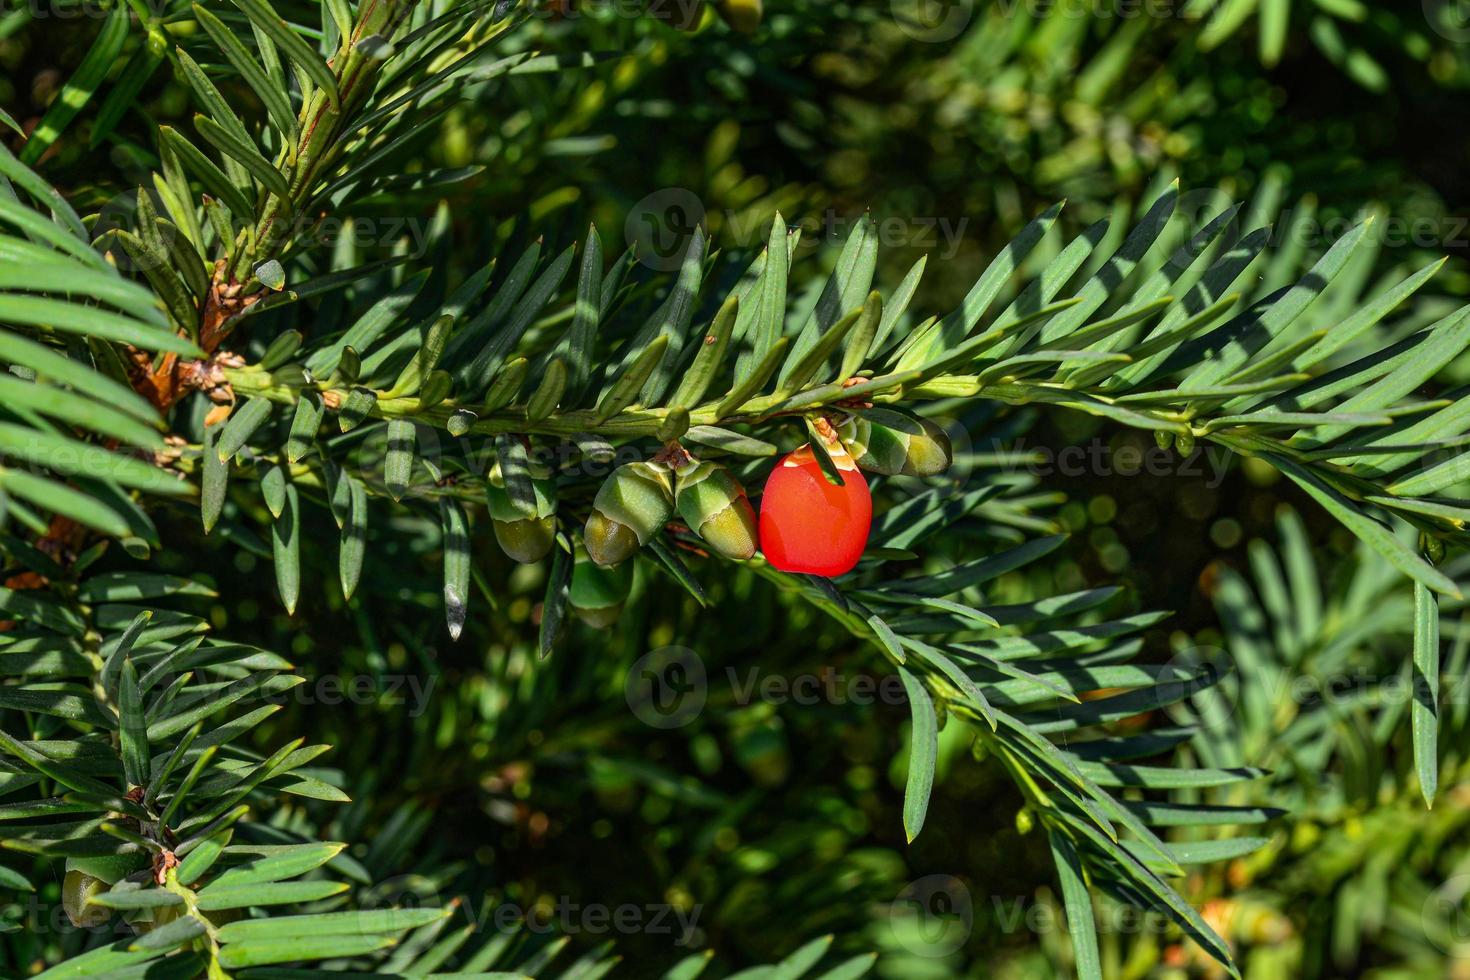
810,525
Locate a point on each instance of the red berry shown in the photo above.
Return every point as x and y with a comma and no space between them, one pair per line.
810,525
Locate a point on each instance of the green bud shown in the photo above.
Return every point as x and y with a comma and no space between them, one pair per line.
874,448
88,876
1432,546
930,452
598,594
111,868
460,421
76,888
714,505
526,539
743,15
889,442
680,18
630,508
147,920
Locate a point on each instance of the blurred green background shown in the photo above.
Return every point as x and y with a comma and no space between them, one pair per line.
478,769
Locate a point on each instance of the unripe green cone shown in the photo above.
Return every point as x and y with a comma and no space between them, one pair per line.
608,541
929,453
76,888
714,505
891,443
875,448
111,868
631,507
147,920
685,17
598,594
88,876
743,15
525,539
